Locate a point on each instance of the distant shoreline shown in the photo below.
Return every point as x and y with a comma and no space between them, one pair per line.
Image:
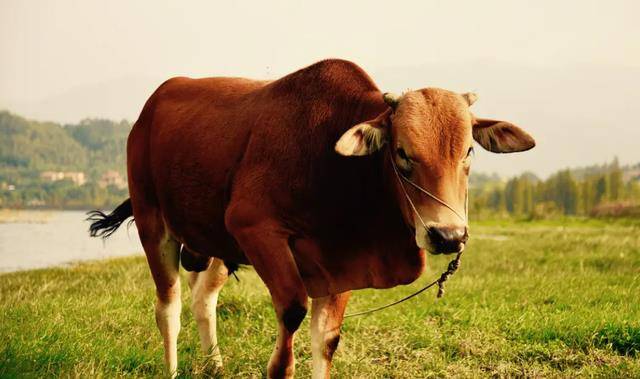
32,215
70,264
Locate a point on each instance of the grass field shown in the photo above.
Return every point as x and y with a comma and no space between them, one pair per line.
550,298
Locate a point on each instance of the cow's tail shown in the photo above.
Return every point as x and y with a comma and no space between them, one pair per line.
103,225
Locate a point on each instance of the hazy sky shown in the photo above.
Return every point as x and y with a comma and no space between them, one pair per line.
567,71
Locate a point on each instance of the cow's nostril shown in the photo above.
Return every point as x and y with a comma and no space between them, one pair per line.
447,239
436,235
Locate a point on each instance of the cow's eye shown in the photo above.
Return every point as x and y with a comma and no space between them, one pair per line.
403,155
404,162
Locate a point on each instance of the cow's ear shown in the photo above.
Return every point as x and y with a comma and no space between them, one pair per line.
365,138
501,136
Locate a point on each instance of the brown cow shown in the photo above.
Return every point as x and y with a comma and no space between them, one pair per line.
247,172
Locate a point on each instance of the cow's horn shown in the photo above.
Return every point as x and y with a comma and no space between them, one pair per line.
470,97
391,99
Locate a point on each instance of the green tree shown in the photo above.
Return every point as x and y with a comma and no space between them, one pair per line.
616,186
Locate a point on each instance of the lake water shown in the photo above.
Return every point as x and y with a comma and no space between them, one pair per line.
59,238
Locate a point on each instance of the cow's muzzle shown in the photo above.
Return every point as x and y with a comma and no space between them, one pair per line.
448,239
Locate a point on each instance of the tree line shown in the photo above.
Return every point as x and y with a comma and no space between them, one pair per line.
595,191
28,148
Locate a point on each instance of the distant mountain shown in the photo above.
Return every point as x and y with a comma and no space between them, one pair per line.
92,146
38,145
117,99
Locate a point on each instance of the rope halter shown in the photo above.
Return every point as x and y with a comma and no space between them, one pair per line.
402,179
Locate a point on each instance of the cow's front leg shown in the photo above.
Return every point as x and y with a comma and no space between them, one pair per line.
266,246
327,314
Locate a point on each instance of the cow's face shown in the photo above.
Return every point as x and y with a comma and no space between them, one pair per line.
429,135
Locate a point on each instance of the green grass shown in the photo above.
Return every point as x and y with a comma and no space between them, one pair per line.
549,298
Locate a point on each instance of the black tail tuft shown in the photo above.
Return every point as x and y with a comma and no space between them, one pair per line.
103,225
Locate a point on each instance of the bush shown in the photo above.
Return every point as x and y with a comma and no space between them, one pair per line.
617,209
545,210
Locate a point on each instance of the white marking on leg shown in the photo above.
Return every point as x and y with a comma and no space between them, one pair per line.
319,318
205,290
326,318
169,306
168,321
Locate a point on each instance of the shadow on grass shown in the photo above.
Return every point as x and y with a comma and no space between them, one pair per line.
623,339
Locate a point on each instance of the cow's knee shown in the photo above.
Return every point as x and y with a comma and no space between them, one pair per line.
168,311
293,315
202,311
168,307
168,293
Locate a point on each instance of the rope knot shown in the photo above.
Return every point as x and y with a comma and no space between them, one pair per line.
453,267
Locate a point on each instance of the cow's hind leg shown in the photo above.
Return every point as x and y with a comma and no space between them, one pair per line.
327,314
205,287
162,253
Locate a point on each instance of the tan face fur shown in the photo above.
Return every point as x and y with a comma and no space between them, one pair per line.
431,138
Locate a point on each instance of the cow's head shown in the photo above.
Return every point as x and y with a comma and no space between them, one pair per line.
429,134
